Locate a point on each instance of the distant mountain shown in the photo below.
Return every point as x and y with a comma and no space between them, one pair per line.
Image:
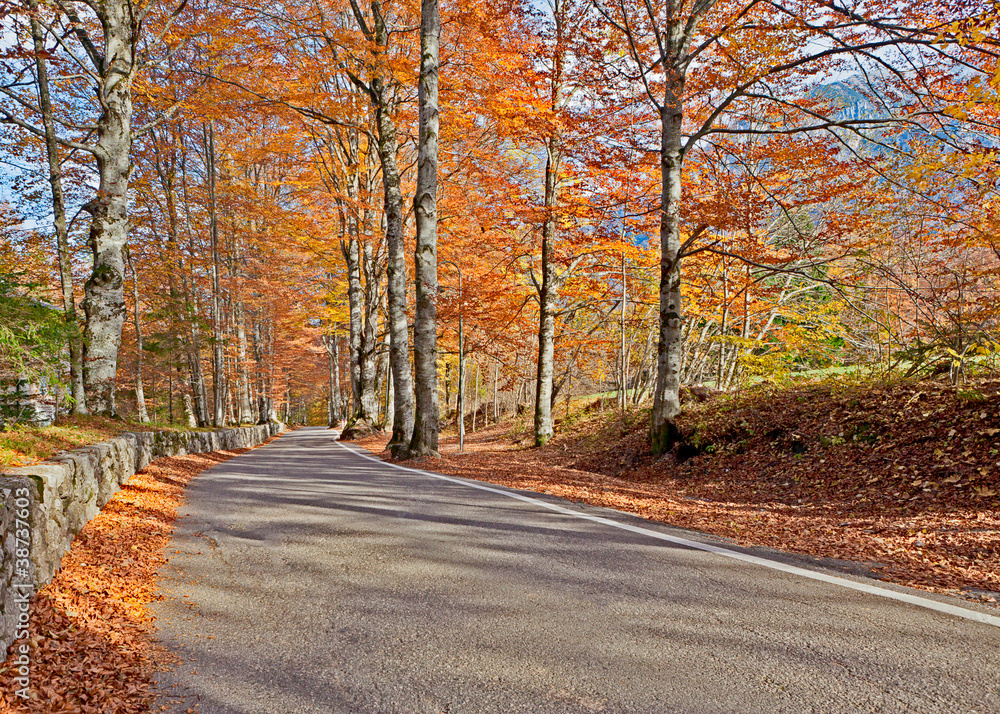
847,99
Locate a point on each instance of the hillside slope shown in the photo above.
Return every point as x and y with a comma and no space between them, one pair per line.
901,479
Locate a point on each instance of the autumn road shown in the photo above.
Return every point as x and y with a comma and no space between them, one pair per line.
312,579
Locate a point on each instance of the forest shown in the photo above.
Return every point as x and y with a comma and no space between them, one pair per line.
385,213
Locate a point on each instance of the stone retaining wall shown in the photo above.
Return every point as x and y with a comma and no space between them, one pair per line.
64,493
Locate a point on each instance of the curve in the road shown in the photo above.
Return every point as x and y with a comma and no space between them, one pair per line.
860,586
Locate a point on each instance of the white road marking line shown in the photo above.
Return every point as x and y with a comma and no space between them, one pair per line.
707,547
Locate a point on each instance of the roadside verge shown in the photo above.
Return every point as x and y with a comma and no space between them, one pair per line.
45,505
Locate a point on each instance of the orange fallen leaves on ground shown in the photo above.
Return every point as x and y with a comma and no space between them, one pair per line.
92,648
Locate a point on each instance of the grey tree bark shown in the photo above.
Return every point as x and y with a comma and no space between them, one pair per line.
218,370
425,426
370,347
192,308
245,415
192,422
59,221
475,400
140,397
666,396
381,93
549,285
496,392
673,32
335,405
546,335
104,299
387,346
365,414
399,351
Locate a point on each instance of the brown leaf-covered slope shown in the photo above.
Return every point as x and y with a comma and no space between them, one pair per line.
91,644
903,478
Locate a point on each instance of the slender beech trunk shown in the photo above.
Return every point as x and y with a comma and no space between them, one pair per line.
344,400
336,377
475,400
546,312
191,307
624,358
666,397
370,348
59,221
380,93
189,412
399,352
548,289
362,340
447,388
332,345
352,258
425,425
681,24
496,393
386,345
140,397
218,373
246,410
260,371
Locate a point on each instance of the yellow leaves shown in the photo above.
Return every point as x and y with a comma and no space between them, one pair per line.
956,112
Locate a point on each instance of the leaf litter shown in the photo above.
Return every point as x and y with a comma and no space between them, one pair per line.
92,639
902,479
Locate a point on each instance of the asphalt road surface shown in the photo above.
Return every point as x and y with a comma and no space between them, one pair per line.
313,579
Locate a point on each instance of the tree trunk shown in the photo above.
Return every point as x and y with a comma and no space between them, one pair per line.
546,315
140,397
245,410
496,393
341,400
104,299
388,385
547,291
369,341
666,399
475,400
624,356
218,373
381,94
425,425
399,351
361,338
332,344
350,251
59,221
188,412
